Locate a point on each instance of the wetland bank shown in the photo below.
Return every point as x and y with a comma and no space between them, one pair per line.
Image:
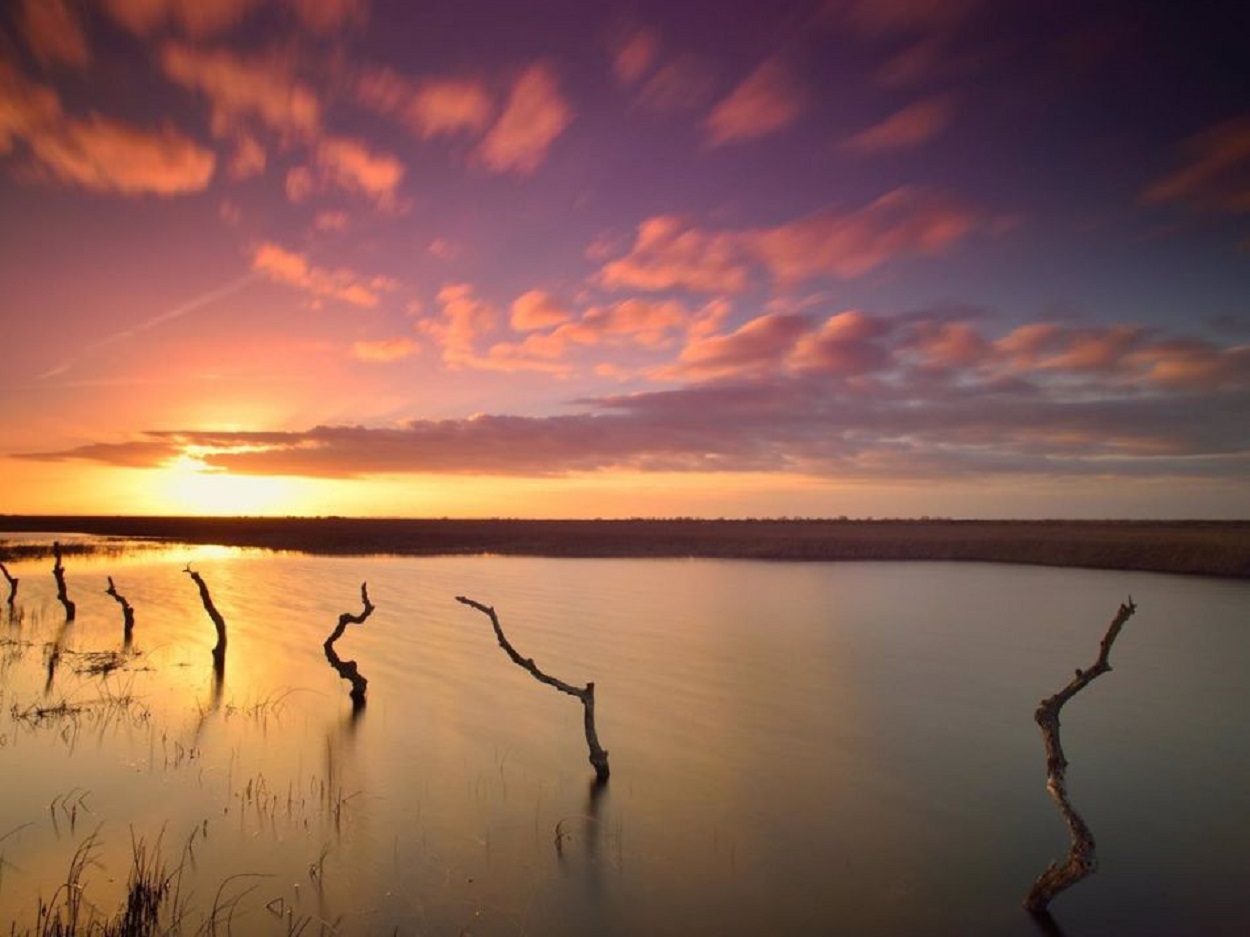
796,747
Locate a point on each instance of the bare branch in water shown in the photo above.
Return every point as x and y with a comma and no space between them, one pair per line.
1082,860
347,669
58,571
128,613
13,581
219,650
598,757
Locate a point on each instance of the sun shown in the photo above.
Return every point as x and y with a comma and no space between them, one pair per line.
189,485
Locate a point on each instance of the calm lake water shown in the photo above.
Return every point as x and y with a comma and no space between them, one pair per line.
795,748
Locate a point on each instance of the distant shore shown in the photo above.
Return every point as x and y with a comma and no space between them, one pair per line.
1210,548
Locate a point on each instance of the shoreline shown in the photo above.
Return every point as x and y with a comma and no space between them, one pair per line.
1192,547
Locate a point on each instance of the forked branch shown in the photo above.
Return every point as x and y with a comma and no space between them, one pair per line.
347,669
58,571
128,613
12,581
598,757
1082,860
219,650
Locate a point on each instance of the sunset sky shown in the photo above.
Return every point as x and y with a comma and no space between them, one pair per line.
564,258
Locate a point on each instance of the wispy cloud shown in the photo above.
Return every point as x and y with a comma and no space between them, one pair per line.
913,126
535,114
352,165
1216,173
429,107
633,54
768,100
54,33
294,269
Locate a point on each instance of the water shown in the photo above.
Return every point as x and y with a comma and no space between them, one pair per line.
795,748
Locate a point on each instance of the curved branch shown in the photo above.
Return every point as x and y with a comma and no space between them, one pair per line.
128,613
347,669
598,757
219,650
58,571
13,581
1082,860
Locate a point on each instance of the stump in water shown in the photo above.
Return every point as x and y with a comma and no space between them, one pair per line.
1082,860
58,571
128,613
219,650
598,757
347,669
12,580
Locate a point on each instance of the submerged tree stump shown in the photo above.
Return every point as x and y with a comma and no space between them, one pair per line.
58,571
586,694
347,669
219,650
128,612
1082,860
12,581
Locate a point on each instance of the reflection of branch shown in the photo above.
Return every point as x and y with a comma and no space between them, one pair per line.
1081,860
12,580
128,613
219,650
598,757
58,570
347,669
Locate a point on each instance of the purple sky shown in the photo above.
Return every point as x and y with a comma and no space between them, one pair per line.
865,257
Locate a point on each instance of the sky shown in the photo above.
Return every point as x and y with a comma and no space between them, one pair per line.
562,258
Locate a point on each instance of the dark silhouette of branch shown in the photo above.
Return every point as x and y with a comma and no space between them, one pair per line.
12,580
1082,860
128,613
58,570
347,669
598,757
219,650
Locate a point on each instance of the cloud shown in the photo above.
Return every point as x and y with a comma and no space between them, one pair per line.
293,269
633,55
431,107
463,318
54,33
669,253
385,350
238,88
906,221
535,114
330,16
768,100
248,159
536,309
204,19
299,184
349,164
885,18
1216,174
759,345
911,127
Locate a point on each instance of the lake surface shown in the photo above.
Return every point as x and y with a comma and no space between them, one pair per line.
795,748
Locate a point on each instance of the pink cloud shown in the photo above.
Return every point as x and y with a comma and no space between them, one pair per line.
351,165
385,350
634,55
950,345
684,84
900,223
1216,175
54,33
462,321
536,309
293,269
768,100
27,108
248,159
431,107
844,345
264,88
670,254
534,115
913,126
762,344
329,16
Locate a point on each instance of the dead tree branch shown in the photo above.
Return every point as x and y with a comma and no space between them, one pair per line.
128,613
347,669
598,757
219,650
1082,860
58,570
13,581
